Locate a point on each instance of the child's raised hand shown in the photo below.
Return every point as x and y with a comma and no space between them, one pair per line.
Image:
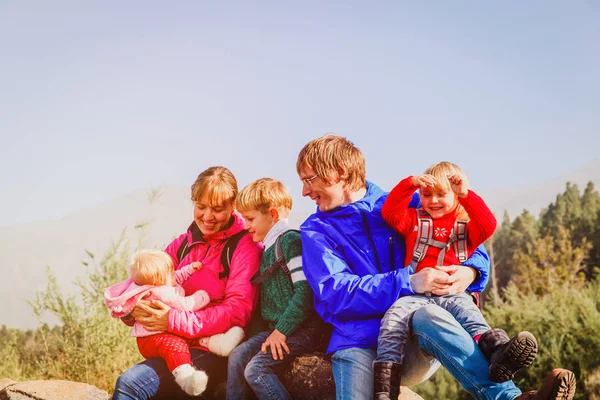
458,185
423,180
197,265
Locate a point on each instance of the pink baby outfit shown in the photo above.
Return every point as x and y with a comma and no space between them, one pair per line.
122,298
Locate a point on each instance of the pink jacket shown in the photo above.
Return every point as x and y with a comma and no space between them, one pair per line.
232,298
123,297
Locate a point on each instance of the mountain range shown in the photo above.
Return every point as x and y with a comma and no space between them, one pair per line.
26,249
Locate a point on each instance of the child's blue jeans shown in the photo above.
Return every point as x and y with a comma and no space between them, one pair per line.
248,369
395,326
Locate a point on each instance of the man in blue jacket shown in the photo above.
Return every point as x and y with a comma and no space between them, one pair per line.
354,264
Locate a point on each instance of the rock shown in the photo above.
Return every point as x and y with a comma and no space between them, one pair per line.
49,390
308,378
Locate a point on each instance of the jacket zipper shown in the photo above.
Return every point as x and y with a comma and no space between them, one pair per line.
368,230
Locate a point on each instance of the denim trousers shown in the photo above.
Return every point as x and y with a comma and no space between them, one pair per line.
436,338
250,372
395,326
151,379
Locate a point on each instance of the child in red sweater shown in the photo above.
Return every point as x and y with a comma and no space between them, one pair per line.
451,223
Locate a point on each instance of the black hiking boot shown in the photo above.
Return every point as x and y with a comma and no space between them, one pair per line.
506,356
558,385
387,380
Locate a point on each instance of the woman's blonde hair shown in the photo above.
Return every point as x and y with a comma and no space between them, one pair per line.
218,184
263,194
151,267
332,157
441,171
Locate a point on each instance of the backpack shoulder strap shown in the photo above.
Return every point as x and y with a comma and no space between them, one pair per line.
227,253
279,262
424,234
183,249
460,245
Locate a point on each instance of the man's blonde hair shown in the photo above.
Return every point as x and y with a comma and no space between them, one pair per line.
218,184
263,194
151,267
441,171
332,157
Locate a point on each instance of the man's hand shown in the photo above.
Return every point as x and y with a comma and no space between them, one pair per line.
459,279
154,315
429,280
276,341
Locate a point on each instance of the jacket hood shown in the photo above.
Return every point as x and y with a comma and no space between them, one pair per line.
367,203
122,297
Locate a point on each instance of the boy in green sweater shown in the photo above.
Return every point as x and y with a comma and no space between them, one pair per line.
286,299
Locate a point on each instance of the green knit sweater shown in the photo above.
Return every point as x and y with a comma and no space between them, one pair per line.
287,304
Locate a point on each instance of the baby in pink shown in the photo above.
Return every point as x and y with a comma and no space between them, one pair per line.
153,277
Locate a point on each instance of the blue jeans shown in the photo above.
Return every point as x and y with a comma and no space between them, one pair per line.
437,338
249,370
395,326
152,379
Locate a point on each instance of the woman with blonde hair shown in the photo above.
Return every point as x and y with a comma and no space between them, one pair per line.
227,283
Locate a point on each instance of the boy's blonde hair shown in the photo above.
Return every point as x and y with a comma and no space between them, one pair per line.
218,184
262,195
440,171
332,157
151,267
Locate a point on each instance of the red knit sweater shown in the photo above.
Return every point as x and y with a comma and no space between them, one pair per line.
396,213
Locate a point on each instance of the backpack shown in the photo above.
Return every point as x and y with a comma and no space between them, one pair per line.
226,254
457,239
279,263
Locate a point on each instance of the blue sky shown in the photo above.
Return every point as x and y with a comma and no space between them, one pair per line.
98,99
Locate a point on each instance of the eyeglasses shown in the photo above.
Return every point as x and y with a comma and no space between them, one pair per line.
308,181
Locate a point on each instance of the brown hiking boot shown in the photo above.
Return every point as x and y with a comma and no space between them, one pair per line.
387,380
507,356
559,385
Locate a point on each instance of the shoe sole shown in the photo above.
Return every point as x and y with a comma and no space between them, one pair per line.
520,354
565,386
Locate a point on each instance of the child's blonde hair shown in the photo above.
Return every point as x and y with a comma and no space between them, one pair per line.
151,267
332,157
441,171
262,195
219,185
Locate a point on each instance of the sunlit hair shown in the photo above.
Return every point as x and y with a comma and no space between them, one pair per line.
332,157
218,184
441,171
262,195
151,267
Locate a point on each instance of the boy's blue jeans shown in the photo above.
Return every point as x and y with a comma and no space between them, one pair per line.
437,338
249,370
395,326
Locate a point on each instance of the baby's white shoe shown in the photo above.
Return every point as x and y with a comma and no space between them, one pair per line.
222,344
190,379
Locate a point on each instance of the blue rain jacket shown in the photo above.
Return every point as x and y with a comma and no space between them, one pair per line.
354,263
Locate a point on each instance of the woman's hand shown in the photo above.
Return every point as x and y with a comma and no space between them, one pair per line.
459,279
276,341
154,315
